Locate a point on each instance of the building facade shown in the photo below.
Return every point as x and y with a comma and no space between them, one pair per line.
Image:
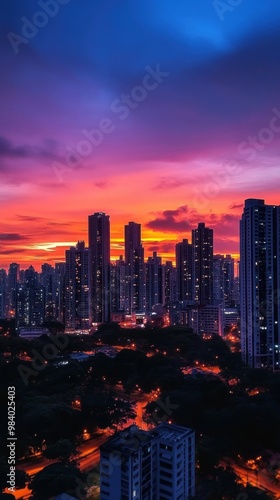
202,242
77,288
99,246
135,269
260,284
148,465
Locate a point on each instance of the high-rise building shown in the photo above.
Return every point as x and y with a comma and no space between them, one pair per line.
77,290
3,296
183,252
30,304
119,287
202,242
170,282
60,271
48,281
229,281
260,284
218,279
13,276
134,259
154,282
223,280
148,465
99,245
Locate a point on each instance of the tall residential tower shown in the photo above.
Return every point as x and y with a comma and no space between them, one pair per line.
99,246
260,284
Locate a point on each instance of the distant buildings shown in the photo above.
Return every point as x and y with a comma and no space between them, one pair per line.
148,465
260,284
88,289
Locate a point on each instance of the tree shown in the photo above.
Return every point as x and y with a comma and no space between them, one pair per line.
55,479
21,476
63,449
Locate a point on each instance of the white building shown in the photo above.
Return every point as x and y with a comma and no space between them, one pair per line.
260,284
148,465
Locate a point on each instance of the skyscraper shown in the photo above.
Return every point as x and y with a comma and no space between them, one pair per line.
154,282
99,245
170,282
184,270
13,276
134,259
260,284
3,287
202,242
77,294
119,287
223,280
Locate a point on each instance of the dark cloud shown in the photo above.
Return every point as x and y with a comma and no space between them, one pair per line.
162,247
233,206
169,183
12,237
30,218
12,251
9,150
101,184
171,221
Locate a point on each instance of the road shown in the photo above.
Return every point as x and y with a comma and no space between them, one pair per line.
88,458
261,480
89,450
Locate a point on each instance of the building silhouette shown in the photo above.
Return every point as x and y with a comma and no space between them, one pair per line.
99,246
202,243
77,288
134,259
259,284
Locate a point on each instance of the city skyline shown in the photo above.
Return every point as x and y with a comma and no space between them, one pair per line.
167,138
147,248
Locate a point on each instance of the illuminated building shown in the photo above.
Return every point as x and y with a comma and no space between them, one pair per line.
184,270
259,284
148,465
170,282
99,245
154,282
77,294
134,259
202,242
13,276
223,280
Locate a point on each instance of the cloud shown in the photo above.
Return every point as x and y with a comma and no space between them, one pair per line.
12,237
171,221
101,184
9,150
165,247
12,251
233,206
169,183
30,218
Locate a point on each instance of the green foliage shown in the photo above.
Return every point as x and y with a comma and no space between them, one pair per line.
55,479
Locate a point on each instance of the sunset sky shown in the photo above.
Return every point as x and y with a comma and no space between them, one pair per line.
179,154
